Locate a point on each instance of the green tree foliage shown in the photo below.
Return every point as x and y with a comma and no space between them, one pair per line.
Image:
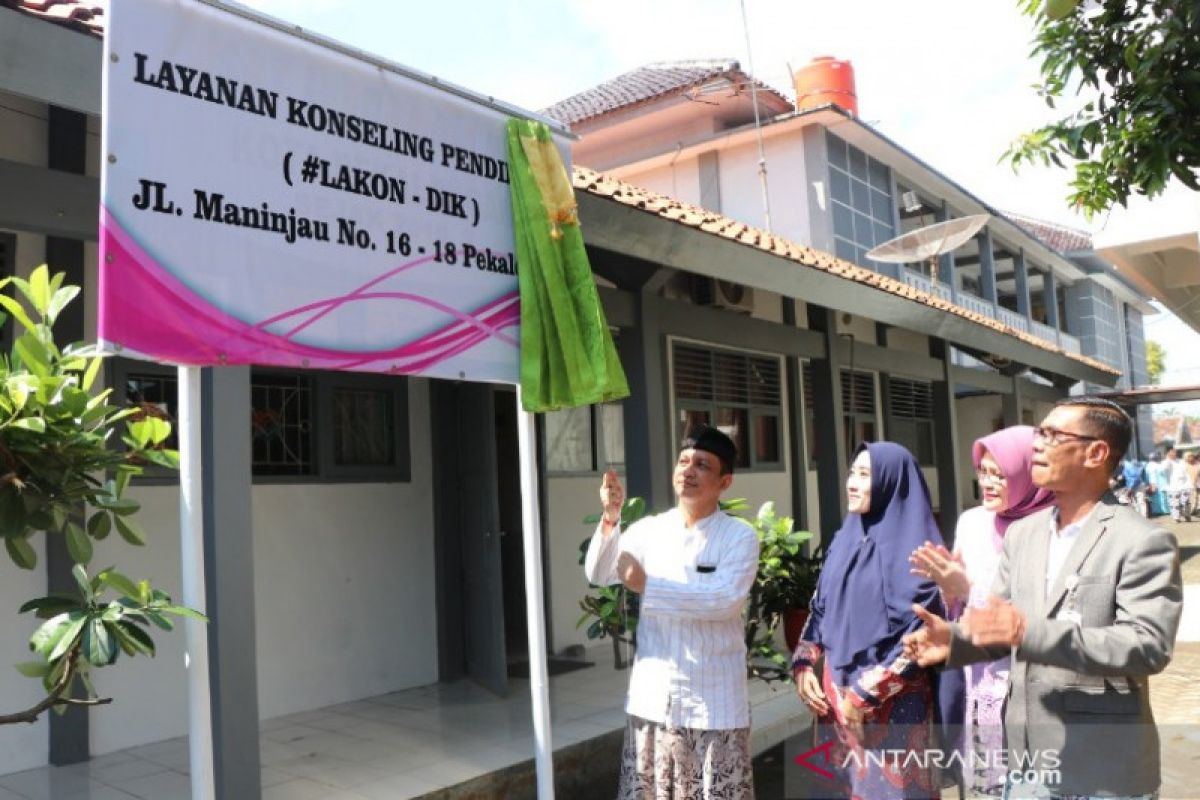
1132,68
58,456
1156,357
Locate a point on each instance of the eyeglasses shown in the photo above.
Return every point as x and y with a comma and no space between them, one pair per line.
991,477
1054,437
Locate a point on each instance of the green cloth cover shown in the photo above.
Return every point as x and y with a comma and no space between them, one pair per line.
567,352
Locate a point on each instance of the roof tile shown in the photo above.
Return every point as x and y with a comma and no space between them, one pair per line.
87,17
647,83
606,186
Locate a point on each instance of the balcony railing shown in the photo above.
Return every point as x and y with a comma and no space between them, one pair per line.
1012,319
919,281
1043,332
1070,343
976,304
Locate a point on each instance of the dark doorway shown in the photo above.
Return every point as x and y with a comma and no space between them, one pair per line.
470,584
512,550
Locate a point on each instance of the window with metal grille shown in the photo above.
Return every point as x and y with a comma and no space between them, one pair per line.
738,392
860,193
910,417
281,427
585,439
858,411
315,426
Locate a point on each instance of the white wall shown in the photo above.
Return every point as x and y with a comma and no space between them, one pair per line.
21,746
741,187
680,181
344,598
908,341
24,125
570,499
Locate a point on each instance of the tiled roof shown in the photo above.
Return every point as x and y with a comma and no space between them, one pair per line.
587,180
82,16
647,83
1056,237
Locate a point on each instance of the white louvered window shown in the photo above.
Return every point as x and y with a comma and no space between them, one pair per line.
738,392
910,417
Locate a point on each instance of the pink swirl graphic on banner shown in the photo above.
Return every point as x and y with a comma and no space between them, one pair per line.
148,310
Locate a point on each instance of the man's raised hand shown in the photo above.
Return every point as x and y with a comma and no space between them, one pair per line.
931,644
612,498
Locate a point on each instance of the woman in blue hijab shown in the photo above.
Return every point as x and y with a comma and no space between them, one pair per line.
870,699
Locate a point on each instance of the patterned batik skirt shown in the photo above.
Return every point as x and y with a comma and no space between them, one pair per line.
660,763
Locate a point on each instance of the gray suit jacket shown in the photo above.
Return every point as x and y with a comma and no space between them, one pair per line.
1081,687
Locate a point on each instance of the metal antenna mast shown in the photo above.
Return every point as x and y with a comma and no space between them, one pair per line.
762,153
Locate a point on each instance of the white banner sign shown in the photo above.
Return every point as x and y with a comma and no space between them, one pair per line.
270,200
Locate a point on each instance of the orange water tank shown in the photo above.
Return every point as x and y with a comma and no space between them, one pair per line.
826,80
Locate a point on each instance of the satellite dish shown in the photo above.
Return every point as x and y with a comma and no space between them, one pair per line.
929,242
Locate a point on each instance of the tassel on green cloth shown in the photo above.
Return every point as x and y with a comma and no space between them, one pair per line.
567,353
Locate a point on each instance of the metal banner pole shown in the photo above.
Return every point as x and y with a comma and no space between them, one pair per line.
191,531
539,681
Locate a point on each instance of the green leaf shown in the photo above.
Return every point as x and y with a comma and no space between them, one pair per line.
83,582
39,289
18,312
21,552
33,669
89,376
33,355
79,545
50,605
121,506
35,424
59,300
134,637
99,525
184,611
130,531
160,620
99,647
166,458
69,635
119,582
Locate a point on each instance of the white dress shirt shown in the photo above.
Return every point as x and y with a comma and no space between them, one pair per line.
690,668
1061,542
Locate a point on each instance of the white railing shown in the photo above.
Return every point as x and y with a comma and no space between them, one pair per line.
919,281
1070,343
1012,319
1043,332
976,304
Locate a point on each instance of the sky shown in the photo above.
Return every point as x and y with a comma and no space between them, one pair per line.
950,81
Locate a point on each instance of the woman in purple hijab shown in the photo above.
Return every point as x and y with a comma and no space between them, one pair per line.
1002,465
869,698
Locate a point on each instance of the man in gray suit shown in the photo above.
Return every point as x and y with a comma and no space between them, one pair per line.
1088,599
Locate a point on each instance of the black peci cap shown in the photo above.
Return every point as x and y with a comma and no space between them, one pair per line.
712,440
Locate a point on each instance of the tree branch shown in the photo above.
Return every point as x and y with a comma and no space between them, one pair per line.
55,697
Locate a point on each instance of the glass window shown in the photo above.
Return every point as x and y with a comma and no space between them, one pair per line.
745,399
861,202
837,152
858,162
569,443
839,186
281,440
363,428
843,222
767,438
910,417
612,429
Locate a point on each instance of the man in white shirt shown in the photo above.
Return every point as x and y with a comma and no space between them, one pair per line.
1088,600
688,728
1179,487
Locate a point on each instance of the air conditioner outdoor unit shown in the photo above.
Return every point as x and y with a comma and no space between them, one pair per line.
722,294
